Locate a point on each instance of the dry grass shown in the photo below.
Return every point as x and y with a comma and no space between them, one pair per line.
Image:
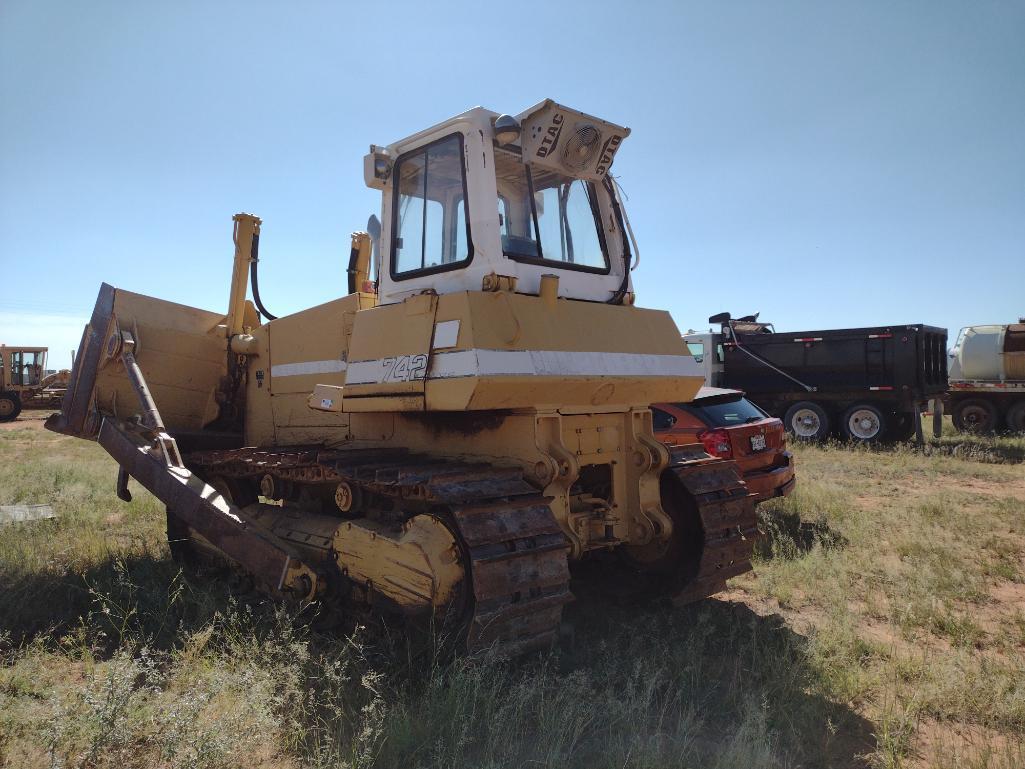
885,627
911,563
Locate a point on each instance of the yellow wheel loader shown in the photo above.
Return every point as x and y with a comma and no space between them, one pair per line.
453,435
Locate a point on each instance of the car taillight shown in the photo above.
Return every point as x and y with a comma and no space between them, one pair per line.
716,443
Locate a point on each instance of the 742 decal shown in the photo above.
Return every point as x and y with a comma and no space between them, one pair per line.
405,368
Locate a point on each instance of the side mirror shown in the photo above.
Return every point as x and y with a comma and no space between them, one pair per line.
374,231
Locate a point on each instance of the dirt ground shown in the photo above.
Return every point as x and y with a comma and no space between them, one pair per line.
32,420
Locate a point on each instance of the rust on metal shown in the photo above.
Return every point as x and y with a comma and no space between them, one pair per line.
458,422
728,520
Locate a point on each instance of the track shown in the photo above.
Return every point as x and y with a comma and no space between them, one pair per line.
728,520
514,550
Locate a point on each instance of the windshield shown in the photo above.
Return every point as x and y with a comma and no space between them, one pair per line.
548,217
957,342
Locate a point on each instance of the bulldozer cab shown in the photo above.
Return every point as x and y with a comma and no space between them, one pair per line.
492,202
22,367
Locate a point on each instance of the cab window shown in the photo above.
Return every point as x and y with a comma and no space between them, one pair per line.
548,218
430,225
26,368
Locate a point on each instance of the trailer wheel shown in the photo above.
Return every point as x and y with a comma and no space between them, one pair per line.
975,415
864,423
1016,417
807,421
10,406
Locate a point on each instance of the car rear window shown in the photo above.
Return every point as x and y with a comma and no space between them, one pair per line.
724,413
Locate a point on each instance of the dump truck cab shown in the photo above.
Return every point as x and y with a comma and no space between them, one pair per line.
486,202
707,350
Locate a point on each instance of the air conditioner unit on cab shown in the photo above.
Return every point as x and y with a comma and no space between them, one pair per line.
568,141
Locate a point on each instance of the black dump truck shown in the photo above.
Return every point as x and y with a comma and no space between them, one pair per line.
863,384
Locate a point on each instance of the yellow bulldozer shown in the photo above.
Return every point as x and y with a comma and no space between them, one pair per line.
25,382
459,431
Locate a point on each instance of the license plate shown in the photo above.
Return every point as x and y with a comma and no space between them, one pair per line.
757,442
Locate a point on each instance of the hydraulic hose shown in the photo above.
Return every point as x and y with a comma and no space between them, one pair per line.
351,272
255,280
617,298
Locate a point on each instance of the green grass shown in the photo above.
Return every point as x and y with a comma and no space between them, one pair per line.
883,629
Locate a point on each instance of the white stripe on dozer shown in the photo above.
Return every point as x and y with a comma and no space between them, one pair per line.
308,367
479,362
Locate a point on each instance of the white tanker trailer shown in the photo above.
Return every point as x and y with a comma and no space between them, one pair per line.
987,378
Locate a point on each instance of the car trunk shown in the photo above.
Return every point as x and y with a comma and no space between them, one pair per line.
746,442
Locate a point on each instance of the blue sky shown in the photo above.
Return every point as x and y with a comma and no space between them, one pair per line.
827,164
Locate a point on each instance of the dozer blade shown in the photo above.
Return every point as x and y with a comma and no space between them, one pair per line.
181,350
264,556
177,337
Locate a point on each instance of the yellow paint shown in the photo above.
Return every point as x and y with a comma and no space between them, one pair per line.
417,568
585,440
247,227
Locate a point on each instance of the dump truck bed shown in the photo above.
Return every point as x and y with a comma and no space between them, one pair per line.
906,362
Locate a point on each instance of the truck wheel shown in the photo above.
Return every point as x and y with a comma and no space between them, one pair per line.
10,406
975,415
807,421
1016,417
863,423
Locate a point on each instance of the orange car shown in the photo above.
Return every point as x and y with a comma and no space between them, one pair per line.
732,427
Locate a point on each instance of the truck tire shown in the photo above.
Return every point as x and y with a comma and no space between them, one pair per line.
902,428
807,421
10,406
975,415
864,423
1016,417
